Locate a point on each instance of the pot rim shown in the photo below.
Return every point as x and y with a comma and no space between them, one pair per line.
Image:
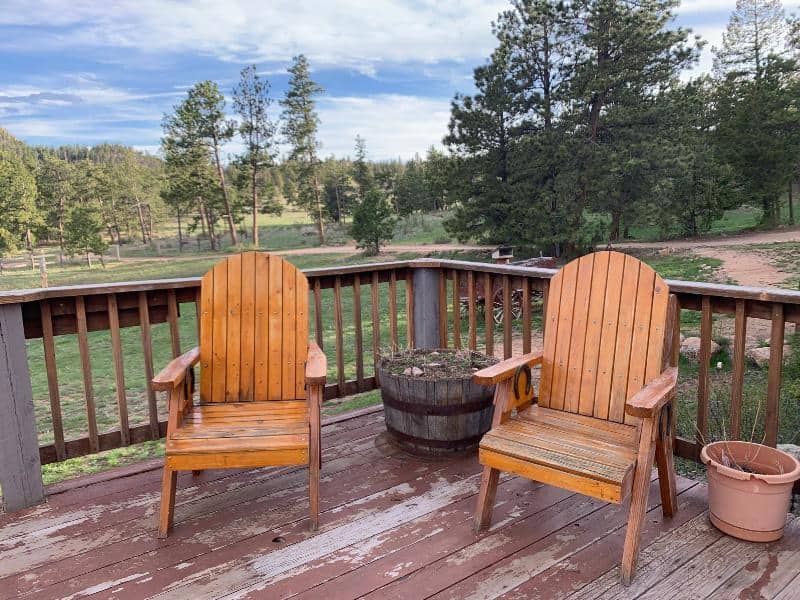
779,479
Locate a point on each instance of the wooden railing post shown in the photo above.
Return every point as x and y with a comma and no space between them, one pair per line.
20,468
426,307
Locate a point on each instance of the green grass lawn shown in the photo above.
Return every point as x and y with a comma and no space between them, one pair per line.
738,220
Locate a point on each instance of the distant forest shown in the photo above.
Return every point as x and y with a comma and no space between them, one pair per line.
580,128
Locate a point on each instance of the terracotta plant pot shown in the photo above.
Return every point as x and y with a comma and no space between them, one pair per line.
751,506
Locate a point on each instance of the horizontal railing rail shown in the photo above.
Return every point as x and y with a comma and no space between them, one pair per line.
359,312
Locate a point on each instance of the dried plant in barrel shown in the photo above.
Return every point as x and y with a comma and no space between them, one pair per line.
432,406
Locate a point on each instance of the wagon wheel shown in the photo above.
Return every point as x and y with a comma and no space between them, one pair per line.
516,306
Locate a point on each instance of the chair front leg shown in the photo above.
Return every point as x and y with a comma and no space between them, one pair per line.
314,453
639,493
665,461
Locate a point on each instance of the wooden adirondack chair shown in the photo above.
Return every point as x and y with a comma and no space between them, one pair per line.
607,381
261,382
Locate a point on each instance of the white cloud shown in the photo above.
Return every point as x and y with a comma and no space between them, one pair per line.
393,125
361,34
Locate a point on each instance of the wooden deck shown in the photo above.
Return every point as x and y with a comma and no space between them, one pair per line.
392,526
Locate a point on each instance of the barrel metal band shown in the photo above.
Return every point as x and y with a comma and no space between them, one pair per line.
462,443
435,409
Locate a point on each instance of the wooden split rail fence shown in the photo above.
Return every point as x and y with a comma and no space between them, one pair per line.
420,303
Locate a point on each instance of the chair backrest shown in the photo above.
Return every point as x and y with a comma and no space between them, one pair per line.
253,330
604,335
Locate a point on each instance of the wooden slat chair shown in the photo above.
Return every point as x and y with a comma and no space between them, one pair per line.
607,381
261,382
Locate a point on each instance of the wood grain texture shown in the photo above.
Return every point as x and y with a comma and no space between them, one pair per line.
119,370
704,358
526,315
52,377
488,317
456,309
147,349
393,310
774,376
737,378
86,369
472,311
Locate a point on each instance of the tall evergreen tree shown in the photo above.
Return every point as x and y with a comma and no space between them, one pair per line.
251,101
17,203
362,175
300,124
200,120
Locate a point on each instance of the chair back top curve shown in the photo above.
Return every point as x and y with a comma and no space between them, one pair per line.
604,335
253,330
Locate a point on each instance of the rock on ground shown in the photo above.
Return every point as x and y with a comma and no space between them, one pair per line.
690,347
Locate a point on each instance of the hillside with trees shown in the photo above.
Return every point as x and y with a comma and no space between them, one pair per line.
582,128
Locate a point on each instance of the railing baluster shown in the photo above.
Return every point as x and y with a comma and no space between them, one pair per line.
526,315
393,309
737,383
52,378
702,376
488,313
410,308
318,313
472,311
86,367
545,295
359,333
197,312
147,348
456,312
442,308
174,325
119,371
337,324
508,317
774,376
376,322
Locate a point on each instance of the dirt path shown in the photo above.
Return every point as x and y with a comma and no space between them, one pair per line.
745,268
789,234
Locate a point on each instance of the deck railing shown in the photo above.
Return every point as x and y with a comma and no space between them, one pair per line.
418,303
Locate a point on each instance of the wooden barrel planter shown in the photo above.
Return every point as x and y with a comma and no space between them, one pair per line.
435,411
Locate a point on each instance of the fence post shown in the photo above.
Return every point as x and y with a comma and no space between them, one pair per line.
426,307
20,469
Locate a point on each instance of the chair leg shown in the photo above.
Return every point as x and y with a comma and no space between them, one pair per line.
169,482
639,494
666,464
486,498
313,490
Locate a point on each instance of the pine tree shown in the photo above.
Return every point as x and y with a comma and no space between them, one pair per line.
758,130
83,231
362,175
251,101
300,123
17,203
200,120
373,222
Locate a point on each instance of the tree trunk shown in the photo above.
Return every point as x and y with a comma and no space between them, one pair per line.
320,223
140,214
180,234
89,259
226,201
255,208
791,204
615,226
61,231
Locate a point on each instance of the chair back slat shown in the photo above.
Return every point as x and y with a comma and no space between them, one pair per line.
605,327
253,330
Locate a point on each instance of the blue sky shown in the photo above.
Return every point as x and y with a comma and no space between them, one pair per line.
88,71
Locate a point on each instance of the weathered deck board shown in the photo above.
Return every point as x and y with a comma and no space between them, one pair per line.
391,526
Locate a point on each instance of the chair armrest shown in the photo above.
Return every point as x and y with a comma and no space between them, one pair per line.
174,373
648,401
316,366
505,369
